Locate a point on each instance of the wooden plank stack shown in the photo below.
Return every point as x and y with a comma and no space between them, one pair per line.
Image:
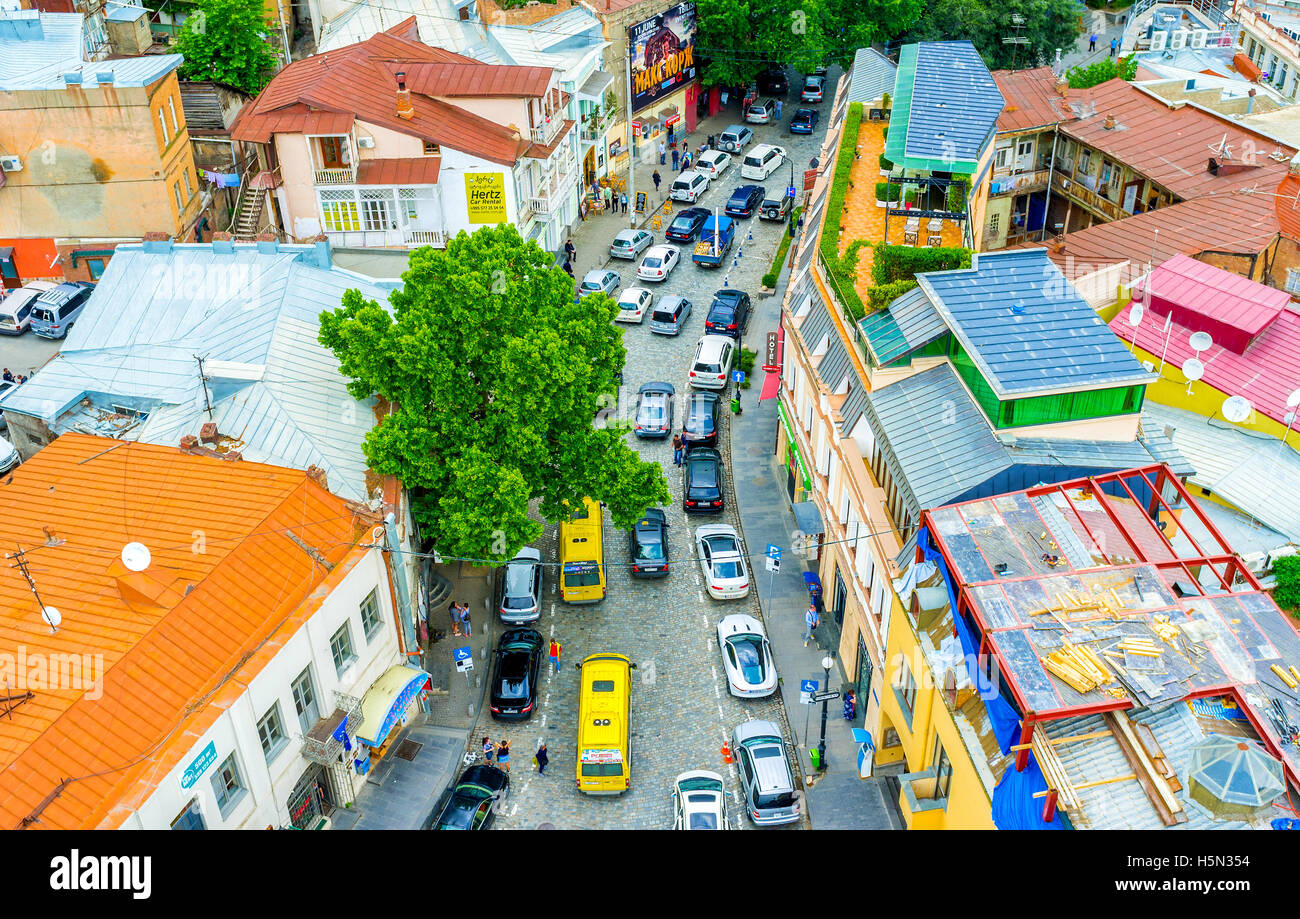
1079,666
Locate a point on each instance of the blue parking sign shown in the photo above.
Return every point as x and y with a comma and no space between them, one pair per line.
773,552
789,191
808,685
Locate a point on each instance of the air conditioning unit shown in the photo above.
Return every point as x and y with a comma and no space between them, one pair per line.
1199,37
11,163
366,143
1178,40
1158,40
1065,184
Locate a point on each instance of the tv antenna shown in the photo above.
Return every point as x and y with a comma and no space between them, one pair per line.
51,615
1222,148
1017,24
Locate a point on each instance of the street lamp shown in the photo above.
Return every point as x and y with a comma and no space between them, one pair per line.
827,663
789,160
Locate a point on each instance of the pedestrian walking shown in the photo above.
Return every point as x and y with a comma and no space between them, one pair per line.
464,620
556,648
541,758
488,749
810,621
778,110
677,449
609,197
1092,41
657,179
623,201
850,706
570,250
454,611
662,151
1114,46
675,159
503,755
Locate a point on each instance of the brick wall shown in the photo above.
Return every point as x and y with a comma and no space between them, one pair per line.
526,15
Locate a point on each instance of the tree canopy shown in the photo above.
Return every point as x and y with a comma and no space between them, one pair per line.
1046,25
225,41
495,376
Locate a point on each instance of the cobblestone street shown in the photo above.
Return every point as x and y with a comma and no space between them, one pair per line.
681,709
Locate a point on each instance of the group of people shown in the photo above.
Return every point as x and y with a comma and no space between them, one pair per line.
11,377
501,752
615,202
460,623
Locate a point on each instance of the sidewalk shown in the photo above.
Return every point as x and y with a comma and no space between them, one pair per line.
839,799
1094,22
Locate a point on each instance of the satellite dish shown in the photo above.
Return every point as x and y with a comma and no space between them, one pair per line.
52,617
1200,341
1135,314
1236,409
1193,369
136,556
1293,400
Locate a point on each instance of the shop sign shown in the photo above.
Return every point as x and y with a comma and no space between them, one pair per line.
194,771
485,197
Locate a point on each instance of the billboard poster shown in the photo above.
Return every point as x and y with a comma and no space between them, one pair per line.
485,197
662,52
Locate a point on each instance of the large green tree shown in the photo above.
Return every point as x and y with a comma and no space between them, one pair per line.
1045,25
496,378
738,37
853,24
226,41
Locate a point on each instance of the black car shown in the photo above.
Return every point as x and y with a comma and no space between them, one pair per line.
776,208
471,804
649,545
728,313
514,674
654,410
701,425
804,120
702,490
745,200
686,225
772,81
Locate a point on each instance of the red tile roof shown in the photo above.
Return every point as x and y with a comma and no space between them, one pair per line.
411,170
1031,99
1205,298
327,92
1265,374
172,636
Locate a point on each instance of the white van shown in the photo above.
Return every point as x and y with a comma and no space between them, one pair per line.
689,186
16,309
762,161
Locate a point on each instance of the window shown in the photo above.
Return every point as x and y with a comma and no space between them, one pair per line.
341,649
431,149
1025,148
942,769
270,730
228,785
96,266
189,189
180,203
1293,280
171,105
1085,161
304,701
1000,158
995,222
162,123
905,689
191,818
370,621
339,210
377,209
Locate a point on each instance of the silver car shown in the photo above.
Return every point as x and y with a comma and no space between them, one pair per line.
669,314
598,281
628,243
765,776
519,588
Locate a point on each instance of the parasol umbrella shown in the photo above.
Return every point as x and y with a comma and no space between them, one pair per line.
1233,778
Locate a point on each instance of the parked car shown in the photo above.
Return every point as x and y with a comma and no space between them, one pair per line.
519,587
762,161
713,163
735,138
699,801
598,281
772,81
722,556
649,545
473,802
55,311
689,186
775,208
627,243
686,225
654,410
747,657
804,121
745,200
515,664
765,777
814,88
728,313
632,304
702,480
658,263
714,356
700,428
16,308
669,314
8,455
761,112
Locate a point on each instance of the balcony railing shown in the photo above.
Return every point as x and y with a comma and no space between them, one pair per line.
1021,182
346,176
1084,196
435,238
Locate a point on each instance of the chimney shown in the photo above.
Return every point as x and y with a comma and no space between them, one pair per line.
1110,123
1058,243
156,242
405,109
188,443
322,253
317,475
208,433
1062,85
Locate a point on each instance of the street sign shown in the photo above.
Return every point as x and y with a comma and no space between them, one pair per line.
738,376
771,357
773,564
790,191
773,558
806,689
464,658
774,551
825,696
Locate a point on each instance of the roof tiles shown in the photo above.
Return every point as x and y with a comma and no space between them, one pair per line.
414,170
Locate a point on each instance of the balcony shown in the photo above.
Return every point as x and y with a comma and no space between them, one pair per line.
1089,199
344,176
551,199
1019,182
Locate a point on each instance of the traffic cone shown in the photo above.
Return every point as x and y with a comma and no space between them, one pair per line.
726,753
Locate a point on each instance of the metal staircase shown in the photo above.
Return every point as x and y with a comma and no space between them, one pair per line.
248,213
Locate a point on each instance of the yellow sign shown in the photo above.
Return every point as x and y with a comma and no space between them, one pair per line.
485,197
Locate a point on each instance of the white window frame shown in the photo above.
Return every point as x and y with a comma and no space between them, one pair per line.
171,106
372,616
162,123
342,649
228,792
272,719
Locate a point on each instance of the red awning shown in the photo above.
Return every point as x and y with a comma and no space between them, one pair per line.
771,386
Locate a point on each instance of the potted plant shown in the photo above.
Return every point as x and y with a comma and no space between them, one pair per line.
882,194
909,196
886,165
886,103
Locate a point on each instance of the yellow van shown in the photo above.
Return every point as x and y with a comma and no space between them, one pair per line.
604,724
582,554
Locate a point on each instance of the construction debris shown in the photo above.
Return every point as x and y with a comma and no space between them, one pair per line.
1079,666
1285,676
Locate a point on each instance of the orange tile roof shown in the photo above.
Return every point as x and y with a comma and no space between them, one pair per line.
1031,99
473,79
409,170
226,587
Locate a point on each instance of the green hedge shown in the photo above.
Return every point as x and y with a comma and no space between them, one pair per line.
904,263
885,162
882,295
1101,71
834,207
1287,592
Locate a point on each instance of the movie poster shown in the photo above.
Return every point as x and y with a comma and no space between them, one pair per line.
663,54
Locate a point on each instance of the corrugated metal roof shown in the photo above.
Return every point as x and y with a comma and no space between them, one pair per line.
411,170
872,74
52,47
905,325
1027,328
834,365
152,312
1031,99
854,404
946,103
1246,469
1208,291
816,325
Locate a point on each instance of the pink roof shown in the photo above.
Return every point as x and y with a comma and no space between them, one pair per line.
1266,374
1204,298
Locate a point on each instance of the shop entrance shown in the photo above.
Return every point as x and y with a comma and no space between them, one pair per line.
862,681
311,798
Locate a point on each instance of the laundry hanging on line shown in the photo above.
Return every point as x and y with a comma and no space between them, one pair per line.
221,179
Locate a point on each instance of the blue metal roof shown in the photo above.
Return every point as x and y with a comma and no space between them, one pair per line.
121,12
37,50
950,105
872,75
1027,328
252,312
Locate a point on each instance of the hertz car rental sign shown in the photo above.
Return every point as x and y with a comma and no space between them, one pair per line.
662,54
485,197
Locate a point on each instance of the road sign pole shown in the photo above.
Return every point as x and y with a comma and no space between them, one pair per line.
806,709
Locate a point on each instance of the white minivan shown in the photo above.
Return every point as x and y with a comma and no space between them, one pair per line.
16,309
762,161
689,186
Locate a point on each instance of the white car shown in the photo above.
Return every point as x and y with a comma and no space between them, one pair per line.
747,657
722,556
713,359
713,163
16,307
762,161
632,304
658,263
8,455
699,801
